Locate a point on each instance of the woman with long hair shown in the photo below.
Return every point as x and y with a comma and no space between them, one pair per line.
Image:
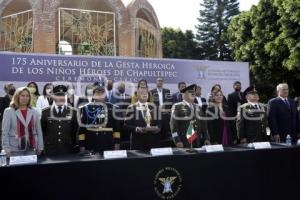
220,128
34,91
45,100
215,88
141,84
21,126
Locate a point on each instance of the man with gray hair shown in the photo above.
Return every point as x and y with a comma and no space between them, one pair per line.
283,115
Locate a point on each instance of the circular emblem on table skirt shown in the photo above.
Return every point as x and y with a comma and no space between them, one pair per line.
167,183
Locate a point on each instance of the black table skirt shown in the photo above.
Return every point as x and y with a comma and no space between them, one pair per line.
233,174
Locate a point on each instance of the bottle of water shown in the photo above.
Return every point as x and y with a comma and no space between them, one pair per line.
288,140
3,158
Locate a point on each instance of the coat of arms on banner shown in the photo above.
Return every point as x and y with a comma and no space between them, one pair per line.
201,70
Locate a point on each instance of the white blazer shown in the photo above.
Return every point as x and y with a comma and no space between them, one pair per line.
10,141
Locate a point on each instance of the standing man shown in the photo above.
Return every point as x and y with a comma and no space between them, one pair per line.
99,130
109,90
252,119
141,121
163,102
177,97
235,98
183,115
283,115
59,125
121,100
199,100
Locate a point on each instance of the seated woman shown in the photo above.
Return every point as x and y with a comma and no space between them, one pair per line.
21,126
220,128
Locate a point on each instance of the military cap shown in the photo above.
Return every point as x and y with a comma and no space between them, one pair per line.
190,88
250,90
60,90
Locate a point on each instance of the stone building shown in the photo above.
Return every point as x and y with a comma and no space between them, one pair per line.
82,27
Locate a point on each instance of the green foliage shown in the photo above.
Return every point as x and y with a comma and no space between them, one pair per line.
177,44
215,16
268,37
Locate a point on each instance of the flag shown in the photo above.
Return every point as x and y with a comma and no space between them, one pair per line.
191,135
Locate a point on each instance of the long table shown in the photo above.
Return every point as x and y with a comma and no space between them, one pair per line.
236,173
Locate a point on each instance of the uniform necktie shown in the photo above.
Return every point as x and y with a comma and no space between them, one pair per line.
59,111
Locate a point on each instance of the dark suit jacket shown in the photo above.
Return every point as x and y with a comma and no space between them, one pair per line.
167,98
134,119
4,103
176,97
216,123
283,120
233,100
204,104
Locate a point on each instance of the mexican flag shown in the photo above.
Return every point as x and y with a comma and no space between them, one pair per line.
191,134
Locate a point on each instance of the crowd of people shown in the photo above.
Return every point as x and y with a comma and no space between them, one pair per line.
58,122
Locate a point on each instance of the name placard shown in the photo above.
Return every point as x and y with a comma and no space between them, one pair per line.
262,145
161,151
23,160
213,148
115,154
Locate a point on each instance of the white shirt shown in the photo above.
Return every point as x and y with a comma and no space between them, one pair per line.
160,96
283,99
199,100
254,104
57,110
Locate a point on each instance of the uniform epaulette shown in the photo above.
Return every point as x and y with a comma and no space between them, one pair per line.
179,103
113,105
244,105
83,105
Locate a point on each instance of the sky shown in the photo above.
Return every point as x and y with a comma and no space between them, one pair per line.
183,14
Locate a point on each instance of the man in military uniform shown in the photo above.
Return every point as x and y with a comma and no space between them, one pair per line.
99,130
252,119
59,125
142,122
184,113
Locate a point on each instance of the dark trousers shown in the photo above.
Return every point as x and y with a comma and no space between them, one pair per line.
165,130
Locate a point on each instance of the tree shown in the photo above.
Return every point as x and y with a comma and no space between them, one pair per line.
211,31
267,37
177,44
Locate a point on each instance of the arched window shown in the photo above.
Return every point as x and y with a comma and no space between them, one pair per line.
16,27
90,28
146,34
